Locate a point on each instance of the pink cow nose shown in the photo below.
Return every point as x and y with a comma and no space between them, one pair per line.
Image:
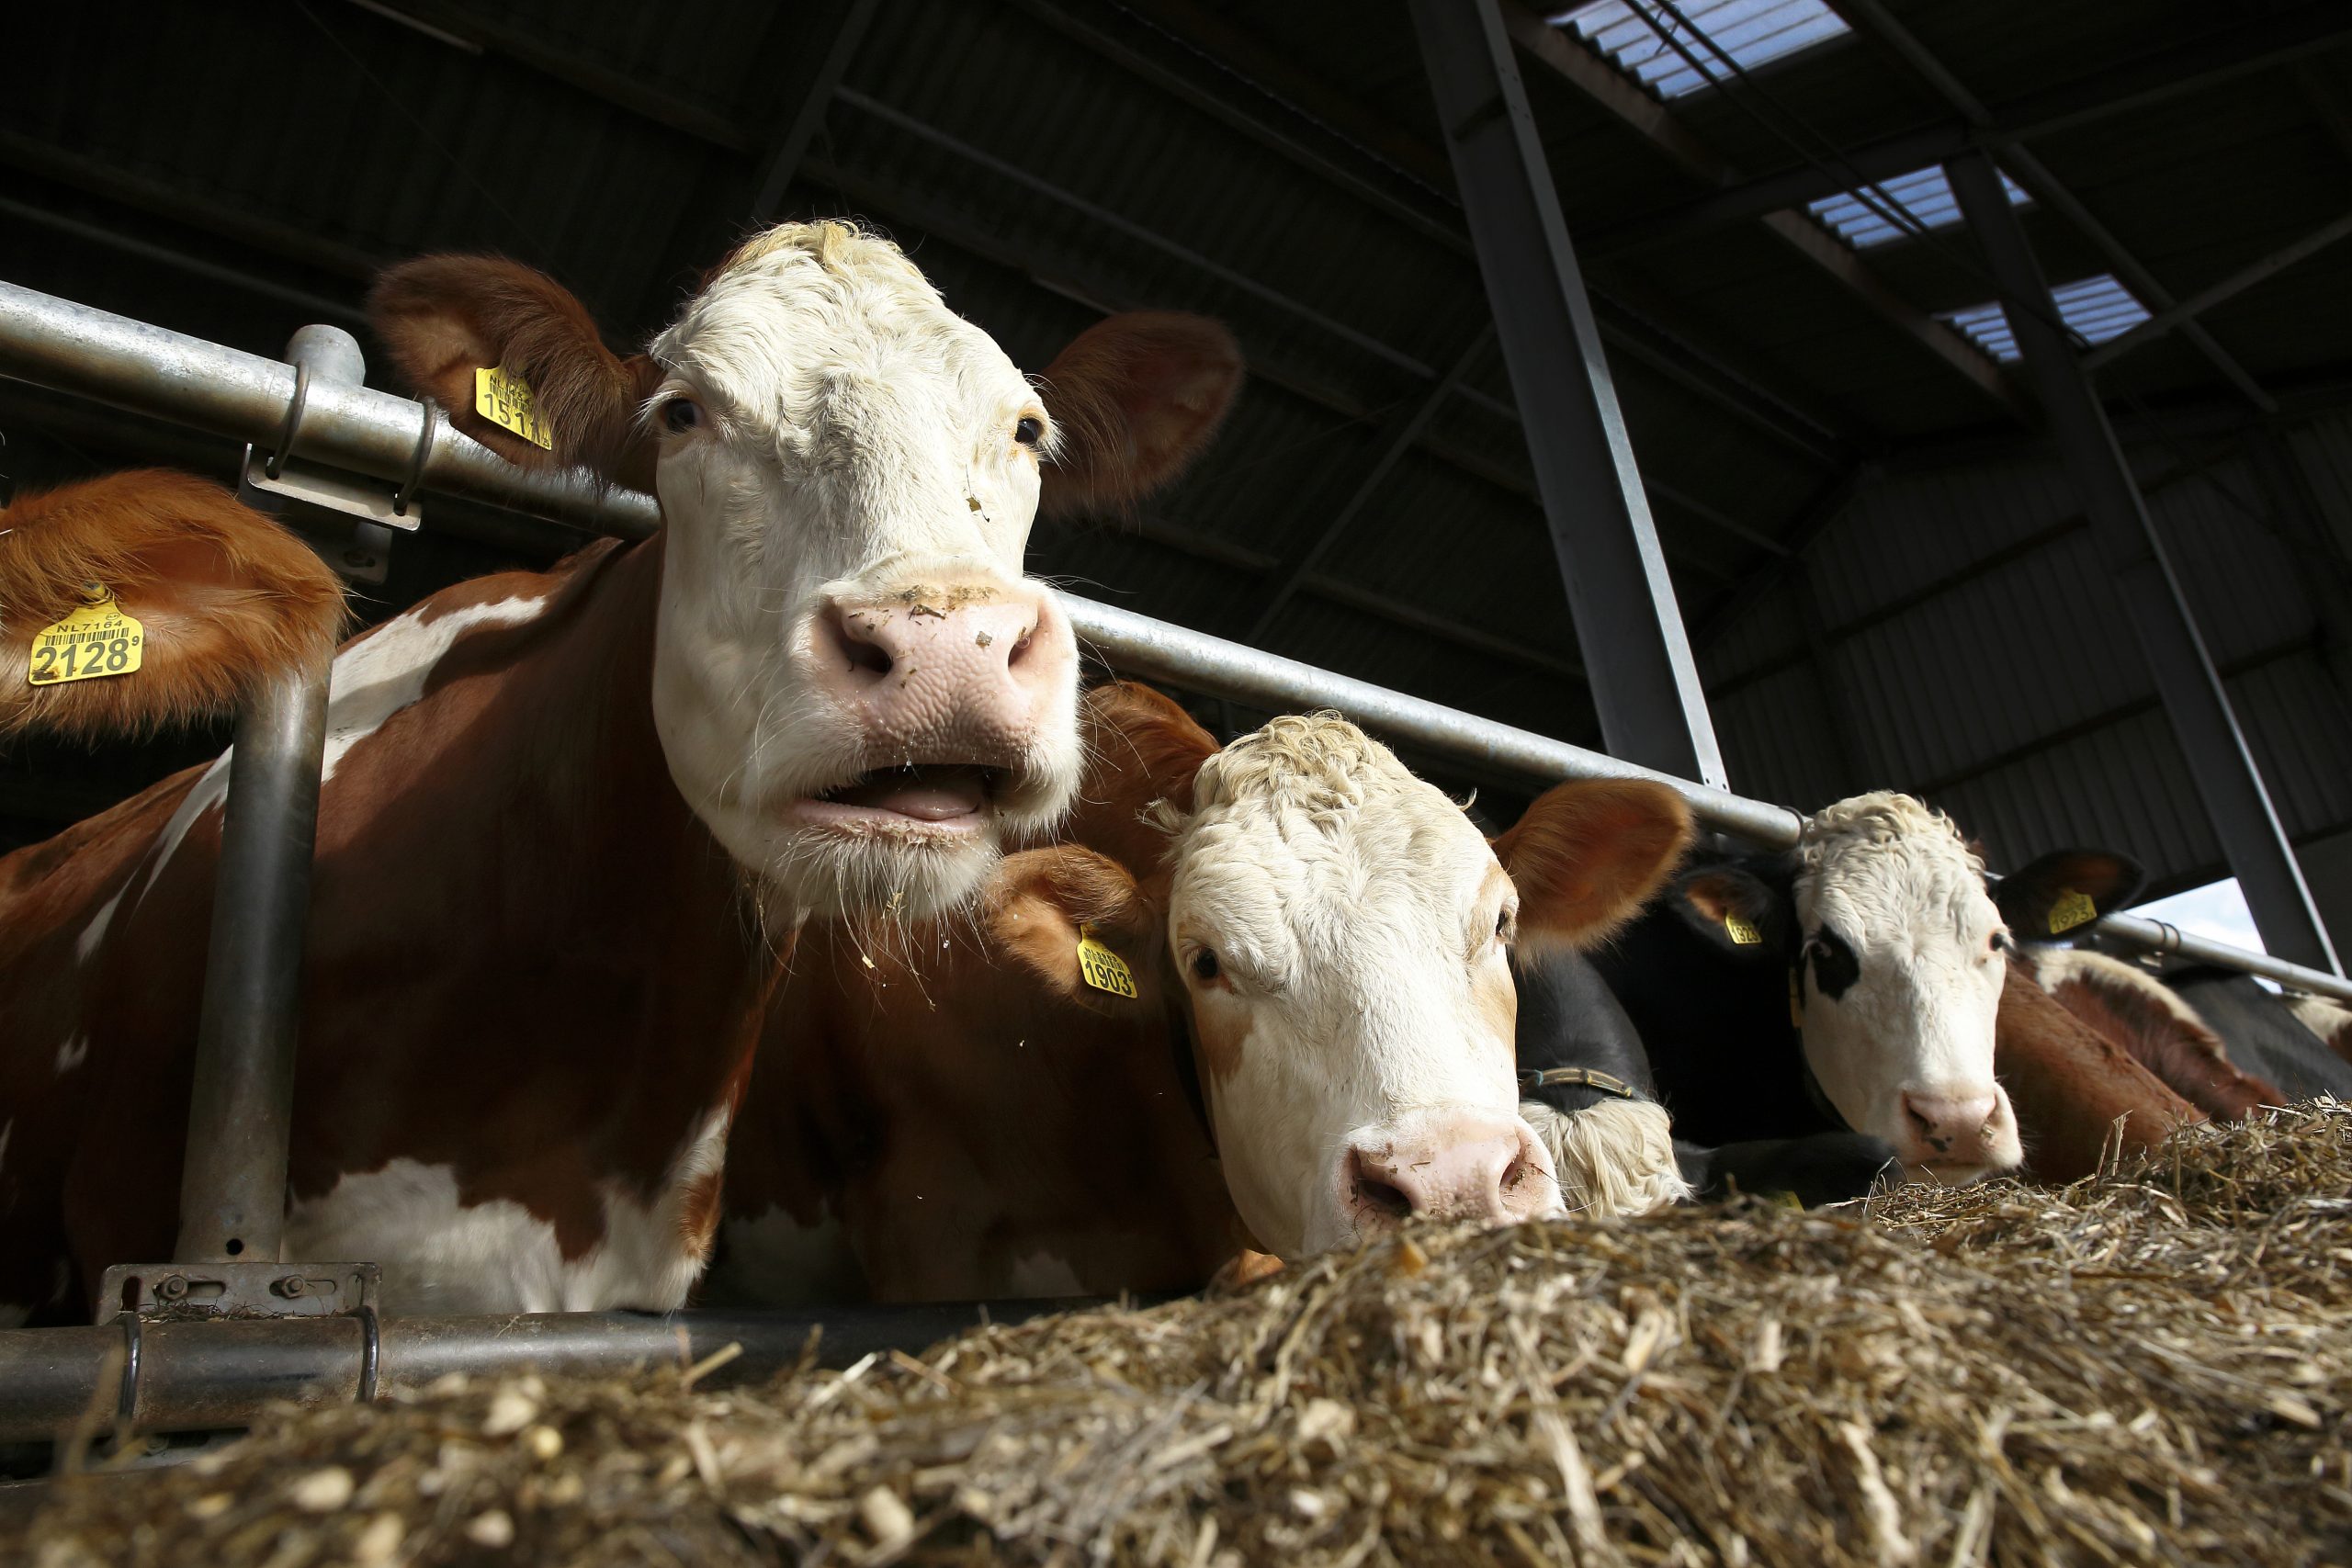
1457,1168
1952,1129
964,673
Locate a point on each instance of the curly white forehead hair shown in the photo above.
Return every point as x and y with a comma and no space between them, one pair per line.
1881,820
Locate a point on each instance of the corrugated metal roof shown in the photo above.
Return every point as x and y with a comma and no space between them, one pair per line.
1898,207
1634,34
2094,309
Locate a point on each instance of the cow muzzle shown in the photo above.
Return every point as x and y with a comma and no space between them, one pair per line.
1956,1134
1457,1166
962,697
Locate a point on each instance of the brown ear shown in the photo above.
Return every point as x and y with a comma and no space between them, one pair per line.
1588,853
445,317
1137,397
1141,747
1039,900
225,599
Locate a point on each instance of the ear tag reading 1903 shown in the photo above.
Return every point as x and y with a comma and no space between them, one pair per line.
1105,970
1741,933
96,640
505,401
2071,909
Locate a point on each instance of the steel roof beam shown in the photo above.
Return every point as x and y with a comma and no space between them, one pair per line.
2185,314
1617,95
2146,582
1628,625
2151,78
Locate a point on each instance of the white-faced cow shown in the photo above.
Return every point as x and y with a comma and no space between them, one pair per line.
1320,1044
571,820
1854,981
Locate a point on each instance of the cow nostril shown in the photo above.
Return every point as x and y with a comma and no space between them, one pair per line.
1374,1193
856,643
1019,653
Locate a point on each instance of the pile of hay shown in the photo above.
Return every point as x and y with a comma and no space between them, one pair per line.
2152,1366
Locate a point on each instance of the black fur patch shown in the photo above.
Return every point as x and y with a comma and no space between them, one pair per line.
1835,967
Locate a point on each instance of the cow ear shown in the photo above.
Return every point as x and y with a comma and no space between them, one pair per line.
1043,905
1731,907
445,318
1137,397
225,599
1589,854
2064,889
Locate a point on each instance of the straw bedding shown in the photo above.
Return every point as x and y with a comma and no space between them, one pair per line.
2154,1365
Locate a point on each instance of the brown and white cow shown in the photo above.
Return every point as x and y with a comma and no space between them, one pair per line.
571,820
2071,1085
1316,941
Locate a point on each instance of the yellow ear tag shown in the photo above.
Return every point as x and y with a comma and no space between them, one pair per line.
96,640
2071,909
1105,970
1741,933
505,401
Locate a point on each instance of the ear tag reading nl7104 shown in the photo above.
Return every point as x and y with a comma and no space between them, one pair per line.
505,400
1741,933
94,640
1105,970
2071,909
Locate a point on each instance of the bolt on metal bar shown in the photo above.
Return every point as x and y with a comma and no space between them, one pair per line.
148,370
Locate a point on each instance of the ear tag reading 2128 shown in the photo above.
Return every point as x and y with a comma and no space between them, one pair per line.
1105,970
505,401
2071,909
94,640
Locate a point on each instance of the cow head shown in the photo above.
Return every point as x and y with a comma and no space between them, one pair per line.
1895,955
857,688
1342,930
2059,894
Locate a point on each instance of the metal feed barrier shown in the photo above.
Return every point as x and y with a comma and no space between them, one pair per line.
203,1341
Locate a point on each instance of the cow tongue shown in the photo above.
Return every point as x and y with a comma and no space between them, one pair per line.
933,794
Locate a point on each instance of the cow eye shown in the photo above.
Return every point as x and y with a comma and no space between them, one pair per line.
680,415
1030,430
1205,966
1999,942
1505,924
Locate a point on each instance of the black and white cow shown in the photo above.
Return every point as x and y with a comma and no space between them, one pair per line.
1588,1090
1850,984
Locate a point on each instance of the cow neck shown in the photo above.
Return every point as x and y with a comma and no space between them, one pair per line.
510,891
1781,873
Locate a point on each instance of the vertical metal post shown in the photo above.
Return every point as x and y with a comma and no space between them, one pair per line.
232,1187
1629,628
2218,761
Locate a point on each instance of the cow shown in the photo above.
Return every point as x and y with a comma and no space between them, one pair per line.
570,821
1588,1090
2331,1021
2080,1096
1850,984
1308,1037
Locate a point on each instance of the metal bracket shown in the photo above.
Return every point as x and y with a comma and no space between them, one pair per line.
346,519
181,1291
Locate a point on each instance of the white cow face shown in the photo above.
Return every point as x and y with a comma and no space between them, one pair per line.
1343,930
1898,956
857,688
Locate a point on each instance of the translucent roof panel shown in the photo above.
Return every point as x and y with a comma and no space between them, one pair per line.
1750,31
2097,307
1925,194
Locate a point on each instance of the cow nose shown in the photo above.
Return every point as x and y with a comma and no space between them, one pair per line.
977,668
1456,1169
1956,1128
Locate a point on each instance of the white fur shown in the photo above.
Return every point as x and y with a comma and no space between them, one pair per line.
2324,1018
1614,1159
389,669
1898,884
72,1052
855,440
96,932
1352,910
2054,967
440,1256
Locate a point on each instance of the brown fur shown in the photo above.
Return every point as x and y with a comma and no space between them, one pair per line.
228,600
2069,1085
2134,1011
445,317
1137,396
1588,853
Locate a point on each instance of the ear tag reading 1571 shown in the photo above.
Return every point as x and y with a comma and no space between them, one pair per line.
96,639
2071,909
1105,970
505,401
1741,933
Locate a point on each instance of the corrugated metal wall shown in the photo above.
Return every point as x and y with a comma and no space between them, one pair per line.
1970,649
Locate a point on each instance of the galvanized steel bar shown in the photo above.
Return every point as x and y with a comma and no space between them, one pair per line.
2220,762
148,370
1629,628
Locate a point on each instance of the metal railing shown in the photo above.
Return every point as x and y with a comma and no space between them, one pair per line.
147,369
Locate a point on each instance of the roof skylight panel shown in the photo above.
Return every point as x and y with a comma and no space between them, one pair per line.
1925,194
1750,31
2096,307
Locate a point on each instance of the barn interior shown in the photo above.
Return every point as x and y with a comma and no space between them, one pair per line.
1878,537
